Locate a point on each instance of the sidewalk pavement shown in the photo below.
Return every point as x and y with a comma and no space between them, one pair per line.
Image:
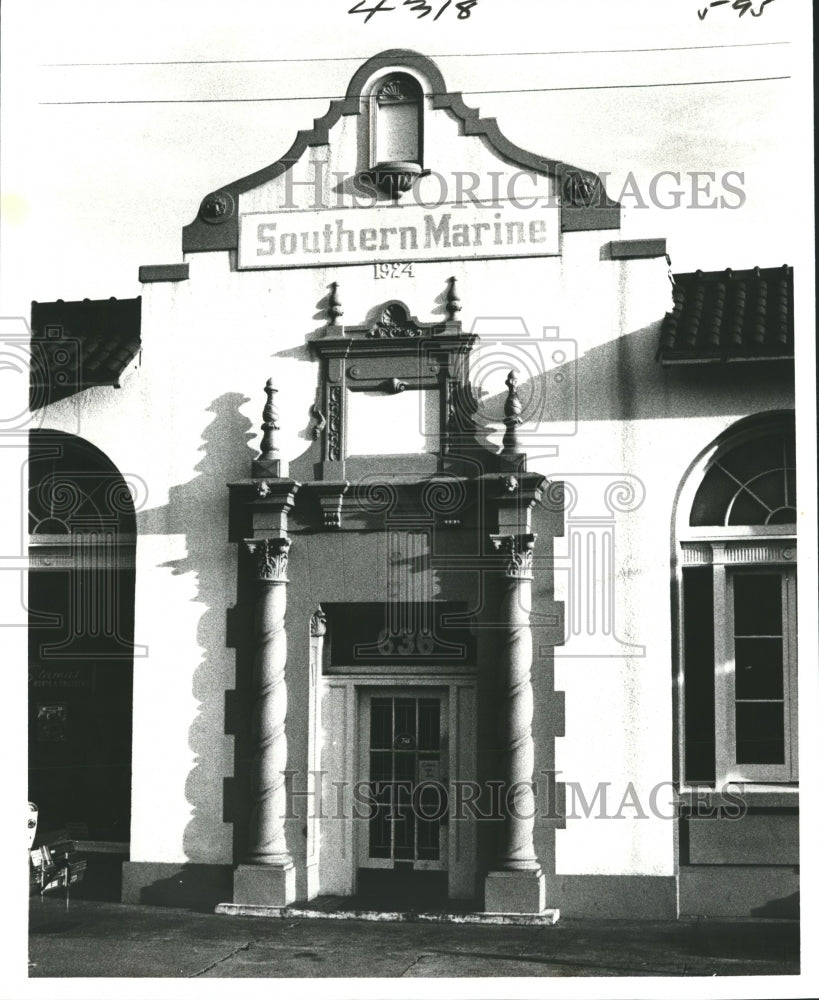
100,939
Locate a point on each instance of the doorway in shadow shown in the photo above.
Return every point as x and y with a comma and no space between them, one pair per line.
81,624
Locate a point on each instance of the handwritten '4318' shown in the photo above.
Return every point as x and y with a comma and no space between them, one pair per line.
418,7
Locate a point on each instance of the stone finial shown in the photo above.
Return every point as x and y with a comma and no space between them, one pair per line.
453,302
270,423
270,462
334,310
512,410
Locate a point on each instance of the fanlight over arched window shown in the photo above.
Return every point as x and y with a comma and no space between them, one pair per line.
753,483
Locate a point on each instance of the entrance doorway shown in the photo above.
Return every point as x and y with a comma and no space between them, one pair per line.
81,627
402,819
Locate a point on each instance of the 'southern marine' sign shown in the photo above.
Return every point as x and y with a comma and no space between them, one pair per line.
399,233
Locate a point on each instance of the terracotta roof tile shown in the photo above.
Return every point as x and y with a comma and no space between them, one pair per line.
729,316
77,345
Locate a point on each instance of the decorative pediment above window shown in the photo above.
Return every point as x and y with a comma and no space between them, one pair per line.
395,321
395,393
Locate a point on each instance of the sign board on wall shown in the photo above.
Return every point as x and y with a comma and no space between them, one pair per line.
401,233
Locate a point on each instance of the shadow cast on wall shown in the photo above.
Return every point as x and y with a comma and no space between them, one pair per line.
614,381
622,380
211,559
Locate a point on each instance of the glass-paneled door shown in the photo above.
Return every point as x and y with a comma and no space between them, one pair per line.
402,792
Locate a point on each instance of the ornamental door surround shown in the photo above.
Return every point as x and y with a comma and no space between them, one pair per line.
494,502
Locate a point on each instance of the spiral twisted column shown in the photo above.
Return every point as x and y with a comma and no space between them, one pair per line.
268,875
515,883
267,727
516,708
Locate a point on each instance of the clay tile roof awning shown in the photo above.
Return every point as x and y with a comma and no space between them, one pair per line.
77,345
729,316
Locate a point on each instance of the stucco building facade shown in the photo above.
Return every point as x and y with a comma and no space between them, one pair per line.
468,619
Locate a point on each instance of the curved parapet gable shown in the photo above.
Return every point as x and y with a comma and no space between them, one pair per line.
583,199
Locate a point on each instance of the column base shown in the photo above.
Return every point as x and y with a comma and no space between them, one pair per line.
515,892
265,885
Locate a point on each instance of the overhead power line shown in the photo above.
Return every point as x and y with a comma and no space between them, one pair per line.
324,97
440,55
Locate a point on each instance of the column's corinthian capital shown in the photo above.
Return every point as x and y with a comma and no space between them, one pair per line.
518,552
269,558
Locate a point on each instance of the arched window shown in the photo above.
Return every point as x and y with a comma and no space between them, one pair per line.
737,557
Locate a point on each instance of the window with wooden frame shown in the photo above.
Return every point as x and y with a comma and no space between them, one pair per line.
737,557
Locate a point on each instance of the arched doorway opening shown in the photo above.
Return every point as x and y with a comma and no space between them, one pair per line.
81,620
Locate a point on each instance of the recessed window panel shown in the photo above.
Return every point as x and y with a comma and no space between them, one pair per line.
763,452
759,668
758,499
380,765
429,724
698,610
760,732
757,604
405,723
713,497
380,833
381,723
782,515
401,423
